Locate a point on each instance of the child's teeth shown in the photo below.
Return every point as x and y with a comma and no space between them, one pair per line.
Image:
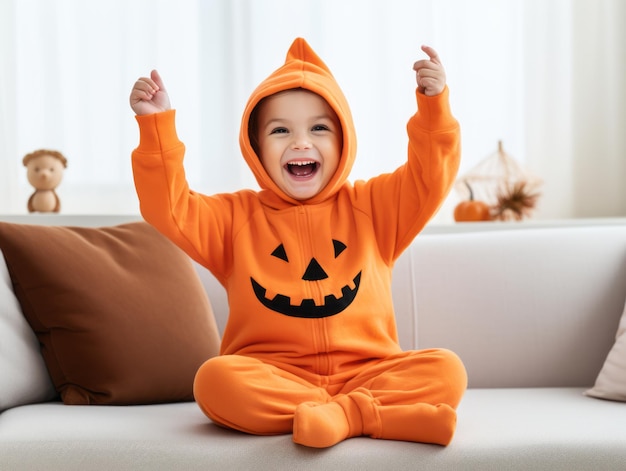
302,168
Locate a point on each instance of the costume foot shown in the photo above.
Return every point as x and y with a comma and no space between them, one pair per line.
419,423
444,425
320,425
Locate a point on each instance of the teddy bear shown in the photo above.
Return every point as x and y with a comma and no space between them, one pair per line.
44,172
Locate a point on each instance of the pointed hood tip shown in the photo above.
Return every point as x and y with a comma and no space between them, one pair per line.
300,50
297,48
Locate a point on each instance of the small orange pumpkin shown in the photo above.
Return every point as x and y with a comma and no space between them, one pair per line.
472,210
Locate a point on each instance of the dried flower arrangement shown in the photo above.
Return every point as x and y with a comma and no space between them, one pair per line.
516,202
502,183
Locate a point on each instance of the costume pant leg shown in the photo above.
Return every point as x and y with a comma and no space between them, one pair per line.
430,376
246,394
411,396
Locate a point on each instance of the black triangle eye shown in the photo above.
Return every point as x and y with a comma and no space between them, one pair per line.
279,252
339,247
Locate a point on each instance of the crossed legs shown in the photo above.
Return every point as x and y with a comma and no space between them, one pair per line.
410,396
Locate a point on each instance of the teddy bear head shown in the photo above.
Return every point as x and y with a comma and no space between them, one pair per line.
45,168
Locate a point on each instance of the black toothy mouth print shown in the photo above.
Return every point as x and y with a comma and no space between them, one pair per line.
308,309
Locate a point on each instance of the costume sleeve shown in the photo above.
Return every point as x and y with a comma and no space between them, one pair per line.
198,224
401,203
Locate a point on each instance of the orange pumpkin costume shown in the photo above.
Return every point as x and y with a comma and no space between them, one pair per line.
310,346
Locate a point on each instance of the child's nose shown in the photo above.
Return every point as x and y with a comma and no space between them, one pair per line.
301,141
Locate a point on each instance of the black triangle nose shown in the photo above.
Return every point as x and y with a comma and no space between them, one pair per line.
314,272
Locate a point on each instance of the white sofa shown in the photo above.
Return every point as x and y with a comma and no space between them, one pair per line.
532,309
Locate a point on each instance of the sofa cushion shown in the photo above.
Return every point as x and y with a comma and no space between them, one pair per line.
23,374
611,381
539,313
525,429
120,313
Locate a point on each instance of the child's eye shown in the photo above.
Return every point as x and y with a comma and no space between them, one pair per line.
320,127
279,131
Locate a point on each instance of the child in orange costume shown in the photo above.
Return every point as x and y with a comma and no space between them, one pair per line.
310,346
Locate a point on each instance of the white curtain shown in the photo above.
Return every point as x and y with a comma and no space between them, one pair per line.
544,76
575,104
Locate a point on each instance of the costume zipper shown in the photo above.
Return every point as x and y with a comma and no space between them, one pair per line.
319,330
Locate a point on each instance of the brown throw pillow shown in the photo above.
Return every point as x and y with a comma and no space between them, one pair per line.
120,313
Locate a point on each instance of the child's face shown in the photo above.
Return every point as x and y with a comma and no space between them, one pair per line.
300,142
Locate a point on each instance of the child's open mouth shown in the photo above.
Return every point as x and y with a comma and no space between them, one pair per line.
302,168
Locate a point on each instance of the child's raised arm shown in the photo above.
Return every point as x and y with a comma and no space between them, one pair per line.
149,96
429,73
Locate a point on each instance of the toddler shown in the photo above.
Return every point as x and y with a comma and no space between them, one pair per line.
310,346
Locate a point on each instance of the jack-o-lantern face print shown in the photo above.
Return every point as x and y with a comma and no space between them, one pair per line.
332,305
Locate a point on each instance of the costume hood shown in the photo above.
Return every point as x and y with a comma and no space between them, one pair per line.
302,69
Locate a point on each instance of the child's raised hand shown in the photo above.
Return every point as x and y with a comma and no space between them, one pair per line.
429,73
149,96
